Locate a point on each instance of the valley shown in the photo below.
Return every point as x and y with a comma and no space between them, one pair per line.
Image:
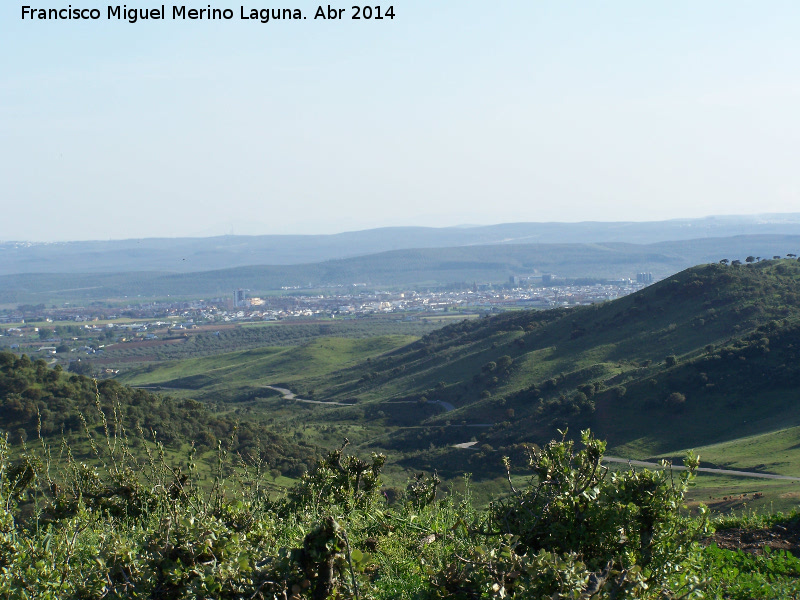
468,417
703,358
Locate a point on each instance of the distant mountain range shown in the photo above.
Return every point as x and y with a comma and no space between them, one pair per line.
407,268
187,255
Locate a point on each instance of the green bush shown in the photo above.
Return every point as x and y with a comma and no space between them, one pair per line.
124,528
577,528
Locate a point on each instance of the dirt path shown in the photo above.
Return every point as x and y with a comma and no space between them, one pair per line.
446,405
640,463
465,445
289,395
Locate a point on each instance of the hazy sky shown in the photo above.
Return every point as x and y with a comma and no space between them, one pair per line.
454,112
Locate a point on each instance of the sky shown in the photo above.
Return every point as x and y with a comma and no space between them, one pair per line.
454,112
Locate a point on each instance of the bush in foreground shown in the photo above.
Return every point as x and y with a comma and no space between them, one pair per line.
123,528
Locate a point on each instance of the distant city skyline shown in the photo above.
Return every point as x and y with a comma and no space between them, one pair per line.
451,113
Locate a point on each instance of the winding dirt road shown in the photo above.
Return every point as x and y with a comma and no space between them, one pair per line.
289,395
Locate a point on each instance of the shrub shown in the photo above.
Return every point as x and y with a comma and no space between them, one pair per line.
675,399
123,529
577,528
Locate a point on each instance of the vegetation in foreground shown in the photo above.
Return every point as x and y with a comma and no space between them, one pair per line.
132,529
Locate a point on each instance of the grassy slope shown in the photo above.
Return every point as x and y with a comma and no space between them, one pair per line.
672,317
774,452
714,319
243,373
780,449
553,353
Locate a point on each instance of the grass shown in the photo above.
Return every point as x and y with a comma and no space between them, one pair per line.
240,373
725,495
448,318
744,576
774,452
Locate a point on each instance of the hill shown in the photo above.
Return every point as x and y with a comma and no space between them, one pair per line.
201,254
705,356
407,268
36,399
243,375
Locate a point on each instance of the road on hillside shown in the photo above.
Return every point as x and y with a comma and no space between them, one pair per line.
641,463
465,445
289,395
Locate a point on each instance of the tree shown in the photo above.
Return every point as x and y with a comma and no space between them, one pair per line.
81,367
750,259
676,399
724,261
504,362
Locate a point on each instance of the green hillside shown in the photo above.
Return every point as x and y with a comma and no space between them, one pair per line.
242,375
36,400
706,356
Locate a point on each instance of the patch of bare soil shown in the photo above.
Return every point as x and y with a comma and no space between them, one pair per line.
784,536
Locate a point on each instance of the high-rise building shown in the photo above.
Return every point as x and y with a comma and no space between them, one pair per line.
239,298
